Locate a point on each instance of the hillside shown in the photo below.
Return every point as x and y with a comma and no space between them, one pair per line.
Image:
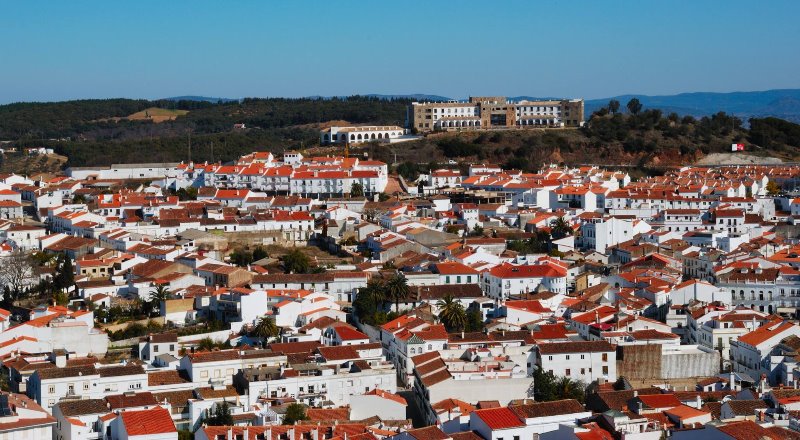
641,142
98,132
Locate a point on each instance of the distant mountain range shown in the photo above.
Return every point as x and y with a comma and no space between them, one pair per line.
200,98
781,103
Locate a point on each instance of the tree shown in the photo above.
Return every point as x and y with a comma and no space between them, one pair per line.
265,328
60,298
16,271
157,296
357,190
241,257
613,106
368,300
566,388
451,313
474,321
773,188
295,412
220,415
65,274
547,387
634,106
397,289
259,253
296,262
560,228
477,231
206,344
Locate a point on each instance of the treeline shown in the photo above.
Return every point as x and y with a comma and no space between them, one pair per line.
774,133
87,134
92,118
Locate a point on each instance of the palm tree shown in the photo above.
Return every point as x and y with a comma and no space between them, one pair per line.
265,328
560,228
375,290
451,313
396,290
567,388
158,295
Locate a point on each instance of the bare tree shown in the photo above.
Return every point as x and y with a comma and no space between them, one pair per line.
16,270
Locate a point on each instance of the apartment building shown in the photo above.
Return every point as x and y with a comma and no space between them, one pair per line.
585,361
487,112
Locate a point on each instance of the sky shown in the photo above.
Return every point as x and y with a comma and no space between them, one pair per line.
59,50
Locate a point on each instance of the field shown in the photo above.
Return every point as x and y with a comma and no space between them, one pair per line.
156,114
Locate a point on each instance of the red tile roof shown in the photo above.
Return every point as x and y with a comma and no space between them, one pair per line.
499,418
148,422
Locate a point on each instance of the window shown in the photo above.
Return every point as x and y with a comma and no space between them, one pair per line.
567,372
51,389
605,357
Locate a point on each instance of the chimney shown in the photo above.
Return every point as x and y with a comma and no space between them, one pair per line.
230,433
699,401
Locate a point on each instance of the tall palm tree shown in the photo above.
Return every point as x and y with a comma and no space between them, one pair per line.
560,228
266,328
567,388
396,290
159,295
376,290
451,313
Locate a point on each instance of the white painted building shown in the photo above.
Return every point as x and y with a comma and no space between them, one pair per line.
585,361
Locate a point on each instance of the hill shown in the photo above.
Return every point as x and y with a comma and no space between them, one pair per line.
100,132
646,141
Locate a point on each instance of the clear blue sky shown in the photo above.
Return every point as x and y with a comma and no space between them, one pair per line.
56,50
